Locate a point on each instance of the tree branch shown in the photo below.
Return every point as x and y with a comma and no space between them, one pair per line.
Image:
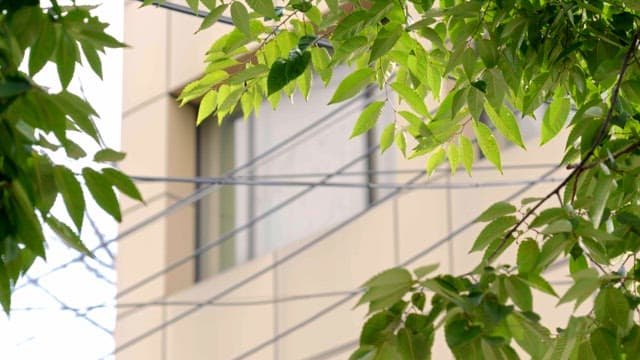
583,164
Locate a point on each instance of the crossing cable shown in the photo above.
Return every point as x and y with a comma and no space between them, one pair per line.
407,262
76,312
204,191
264,270
101,239
434,186
225,237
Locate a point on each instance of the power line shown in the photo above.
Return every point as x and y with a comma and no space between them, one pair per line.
101,239
204,191
444,169
407,262
223,238
261,272
76,312
266,183
237,303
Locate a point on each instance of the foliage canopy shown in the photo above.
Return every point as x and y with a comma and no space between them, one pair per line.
502,59
574,59
36,122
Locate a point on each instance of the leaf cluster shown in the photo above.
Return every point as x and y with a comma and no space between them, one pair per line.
490,65
35,122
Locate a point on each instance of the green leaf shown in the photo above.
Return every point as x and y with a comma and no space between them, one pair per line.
528,253
263,7
529,334
209,4
604,344
611,307
384,42
43,48
388,277
495,211
66,57
386,139
108,155
377,329
555,117
547,216
402,143
475,102
277,78
29,229
550,251
487,144
459,332
207,106
44,183
212,17
71,192
540,283
240,17
603,188
496,88
453,154
12,88
386,289
558,226
425,270
368,118
283,71
586,282
415,101
102,192
415,346
93,58
492,231
488,51
435,159
321,60
193,5
68,236
73,150
351,85
467,153
123,183
79,110
5,290
506,123
519,292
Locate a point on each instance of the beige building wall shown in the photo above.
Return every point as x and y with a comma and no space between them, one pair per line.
230,313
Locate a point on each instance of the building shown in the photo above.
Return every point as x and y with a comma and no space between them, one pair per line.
282,286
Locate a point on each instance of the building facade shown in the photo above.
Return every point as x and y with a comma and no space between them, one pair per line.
269,267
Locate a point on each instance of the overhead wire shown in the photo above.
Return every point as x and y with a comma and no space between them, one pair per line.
435,186
405,263
200,193
76,312
178,303
225,237
445,169
309,245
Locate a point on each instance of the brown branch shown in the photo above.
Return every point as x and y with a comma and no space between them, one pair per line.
616,155
601,135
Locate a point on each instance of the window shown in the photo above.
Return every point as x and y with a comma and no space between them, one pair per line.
308,158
